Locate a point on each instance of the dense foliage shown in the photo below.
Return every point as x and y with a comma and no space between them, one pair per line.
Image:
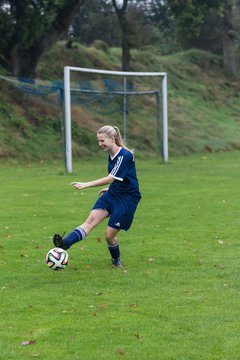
29,28
169,25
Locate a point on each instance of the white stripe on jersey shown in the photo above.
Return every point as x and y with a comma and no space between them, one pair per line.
116,166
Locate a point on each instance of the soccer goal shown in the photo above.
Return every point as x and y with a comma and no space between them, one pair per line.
128,85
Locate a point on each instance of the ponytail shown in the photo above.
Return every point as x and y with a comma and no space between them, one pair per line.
118,137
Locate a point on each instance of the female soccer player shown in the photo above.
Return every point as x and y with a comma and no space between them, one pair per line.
118,202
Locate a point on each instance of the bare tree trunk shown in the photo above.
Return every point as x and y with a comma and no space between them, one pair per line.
24,61
121,14
229,37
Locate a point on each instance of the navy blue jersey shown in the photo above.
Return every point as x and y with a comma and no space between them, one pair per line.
122,168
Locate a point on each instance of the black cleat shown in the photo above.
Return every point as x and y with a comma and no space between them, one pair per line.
58,241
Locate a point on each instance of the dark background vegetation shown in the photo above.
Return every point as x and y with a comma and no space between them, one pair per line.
196,43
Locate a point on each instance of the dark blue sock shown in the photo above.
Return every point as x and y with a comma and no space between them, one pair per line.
76,235
114,250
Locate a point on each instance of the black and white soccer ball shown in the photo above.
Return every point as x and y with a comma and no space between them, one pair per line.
57,259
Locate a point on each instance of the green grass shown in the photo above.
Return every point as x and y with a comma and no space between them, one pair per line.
178,298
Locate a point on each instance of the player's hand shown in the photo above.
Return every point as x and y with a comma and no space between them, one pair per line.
79,185
101,192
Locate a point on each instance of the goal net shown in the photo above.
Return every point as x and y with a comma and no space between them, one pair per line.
131,100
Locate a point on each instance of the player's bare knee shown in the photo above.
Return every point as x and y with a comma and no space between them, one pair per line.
111,240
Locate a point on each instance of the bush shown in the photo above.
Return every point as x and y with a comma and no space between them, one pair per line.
101,45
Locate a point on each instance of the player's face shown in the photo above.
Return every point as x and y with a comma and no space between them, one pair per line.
105,142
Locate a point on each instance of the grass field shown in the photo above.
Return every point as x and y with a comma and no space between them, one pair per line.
178,297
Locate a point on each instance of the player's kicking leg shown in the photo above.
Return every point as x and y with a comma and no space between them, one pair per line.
78,234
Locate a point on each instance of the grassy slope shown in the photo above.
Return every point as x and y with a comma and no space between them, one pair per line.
203,106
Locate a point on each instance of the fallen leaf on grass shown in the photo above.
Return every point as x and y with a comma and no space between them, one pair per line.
68,311
103,306
120,352
219,266
28,342
139,337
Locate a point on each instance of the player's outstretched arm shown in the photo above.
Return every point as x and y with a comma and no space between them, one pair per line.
99,182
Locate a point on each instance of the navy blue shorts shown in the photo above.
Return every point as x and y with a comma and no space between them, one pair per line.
121,209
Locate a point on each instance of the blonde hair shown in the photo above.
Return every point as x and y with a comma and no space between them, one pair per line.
113,131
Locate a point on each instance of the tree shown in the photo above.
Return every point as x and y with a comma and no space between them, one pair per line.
229,36
97,20
208,24
121,11
29,28
160,18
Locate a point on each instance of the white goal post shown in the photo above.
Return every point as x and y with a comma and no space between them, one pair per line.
67,101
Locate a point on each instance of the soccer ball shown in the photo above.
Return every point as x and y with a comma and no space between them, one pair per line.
57,259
